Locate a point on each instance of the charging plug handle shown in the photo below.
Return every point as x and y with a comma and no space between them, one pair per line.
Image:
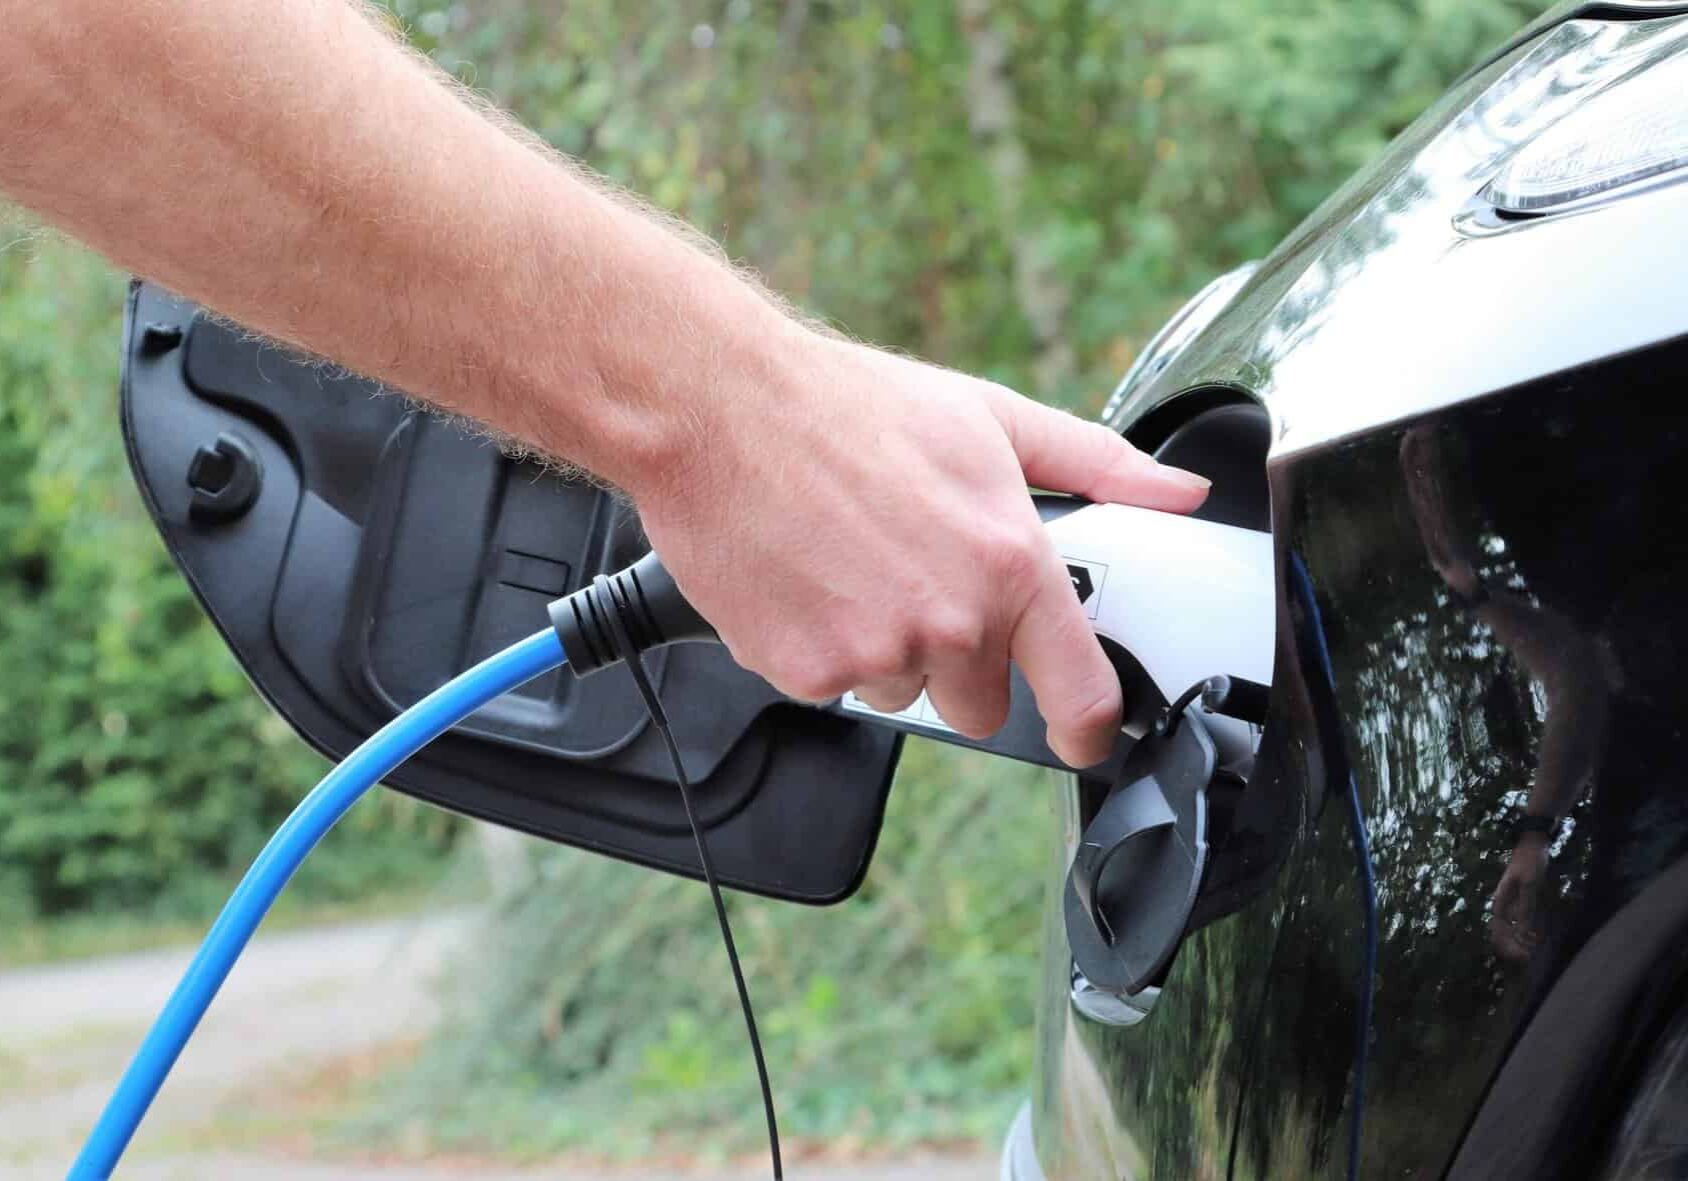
646,601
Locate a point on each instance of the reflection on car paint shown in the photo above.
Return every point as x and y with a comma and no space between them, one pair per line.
1496,543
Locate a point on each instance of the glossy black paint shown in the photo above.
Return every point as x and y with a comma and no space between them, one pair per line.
1500,590
1477,454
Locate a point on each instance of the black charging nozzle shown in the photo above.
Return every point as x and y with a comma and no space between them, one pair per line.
643,598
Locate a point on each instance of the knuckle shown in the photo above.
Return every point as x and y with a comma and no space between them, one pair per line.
1013,557
1122,461
1111,450
956,632
1094,706
879,658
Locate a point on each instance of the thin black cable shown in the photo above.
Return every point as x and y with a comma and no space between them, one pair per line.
1167,722
659,718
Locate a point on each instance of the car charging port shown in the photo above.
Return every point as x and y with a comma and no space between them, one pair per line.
1158,832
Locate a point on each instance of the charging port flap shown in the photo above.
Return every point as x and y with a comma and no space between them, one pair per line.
1139,863
356,552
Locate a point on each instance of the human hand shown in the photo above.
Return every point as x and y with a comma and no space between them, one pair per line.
1514,926
850,519
846,518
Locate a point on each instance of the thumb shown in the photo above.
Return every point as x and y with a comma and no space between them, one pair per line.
1064,453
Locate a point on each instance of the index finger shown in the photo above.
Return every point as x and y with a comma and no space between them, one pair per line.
1077,689
1064,453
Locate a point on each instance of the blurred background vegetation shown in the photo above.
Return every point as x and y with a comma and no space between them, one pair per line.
1022,188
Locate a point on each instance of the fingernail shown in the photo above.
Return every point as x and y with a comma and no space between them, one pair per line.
1185,479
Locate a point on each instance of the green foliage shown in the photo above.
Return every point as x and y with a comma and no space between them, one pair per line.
138,771
608,1021
851,152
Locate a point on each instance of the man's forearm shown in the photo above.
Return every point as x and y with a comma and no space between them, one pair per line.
844,517
290,166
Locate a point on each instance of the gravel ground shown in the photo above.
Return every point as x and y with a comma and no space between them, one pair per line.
295,1003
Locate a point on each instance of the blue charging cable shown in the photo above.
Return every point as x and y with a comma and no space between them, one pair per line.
316,814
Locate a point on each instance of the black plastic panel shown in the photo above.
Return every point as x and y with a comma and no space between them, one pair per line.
386,550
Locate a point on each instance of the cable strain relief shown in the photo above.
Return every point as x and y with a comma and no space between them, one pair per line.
643,598
1237,697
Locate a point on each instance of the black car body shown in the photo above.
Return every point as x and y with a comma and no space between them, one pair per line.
1454,399
1472,434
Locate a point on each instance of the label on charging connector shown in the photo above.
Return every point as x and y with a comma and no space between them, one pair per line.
921,712
1088,578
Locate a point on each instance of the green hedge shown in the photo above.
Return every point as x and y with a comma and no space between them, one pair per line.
138,770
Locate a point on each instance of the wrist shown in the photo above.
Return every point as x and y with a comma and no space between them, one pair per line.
670,362
1534,829
744,369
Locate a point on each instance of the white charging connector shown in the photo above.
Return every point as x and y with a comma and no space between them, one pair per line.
1187,598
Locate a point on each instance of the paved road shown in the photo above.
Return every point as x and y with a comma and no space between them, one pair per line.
295,1002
